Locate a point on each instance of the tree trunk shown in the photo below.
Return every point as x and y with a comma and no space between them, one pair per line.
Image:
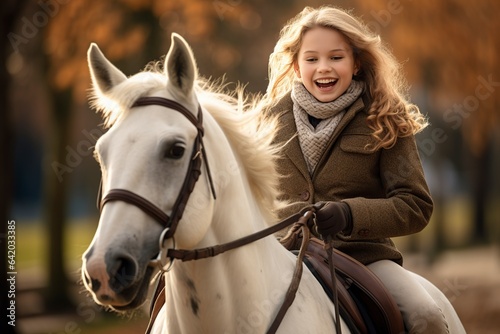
10,11
481,182
55,194
6,177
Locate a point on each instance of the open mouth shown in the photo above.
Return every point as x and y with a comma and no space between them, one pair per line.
325,83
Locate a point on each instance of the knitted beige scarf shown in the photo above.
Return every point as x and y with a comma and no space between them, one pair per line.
313,140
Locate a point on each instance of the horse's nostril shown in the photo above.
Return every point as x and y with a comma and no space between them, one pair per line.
122,274
105,298
95,285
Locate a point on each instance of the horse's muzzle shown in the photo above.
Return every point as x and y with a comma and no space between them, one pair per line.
114,279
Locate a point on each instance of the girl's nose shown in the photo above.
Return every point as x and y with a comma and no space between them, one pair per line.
324,66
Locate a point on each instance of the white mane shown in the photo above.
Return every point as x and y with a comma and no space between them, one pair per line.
249,134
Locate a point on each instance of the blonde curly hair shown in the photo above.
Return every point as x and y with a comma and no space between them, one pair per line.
391,114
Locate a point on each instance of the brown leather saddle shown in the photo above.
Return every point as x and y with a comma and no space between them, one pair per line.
365,304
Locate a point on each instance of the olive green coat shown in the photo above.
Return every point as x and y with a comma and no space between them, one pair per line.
386,189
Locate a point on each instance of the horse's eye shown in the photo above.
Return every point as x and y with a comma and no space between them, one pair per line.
176,151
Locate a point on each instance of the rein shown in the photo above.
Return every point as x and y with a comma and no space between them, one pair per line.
202,253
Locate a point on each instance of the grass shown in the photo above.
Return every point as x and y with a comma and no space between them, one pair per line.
32,247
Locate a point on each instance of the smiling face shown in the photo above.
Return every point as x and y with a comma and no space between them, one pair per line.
325,63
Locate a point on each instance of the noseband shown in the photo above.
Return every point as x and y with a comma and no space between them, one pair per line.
193,173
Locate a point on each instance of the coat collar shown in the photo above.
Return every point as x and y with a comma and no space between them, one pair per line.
287,132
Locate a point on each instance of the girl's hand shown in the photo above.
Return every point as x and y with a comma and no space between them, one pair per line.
332,218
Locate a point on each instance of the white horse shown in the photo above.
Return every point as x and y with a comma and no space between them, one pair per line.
148,151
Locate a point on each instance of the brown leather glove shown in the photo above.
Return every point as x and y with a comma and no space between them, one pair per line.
332,218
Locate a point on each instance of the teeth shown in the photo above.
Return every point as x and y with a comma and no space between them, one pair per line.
325,81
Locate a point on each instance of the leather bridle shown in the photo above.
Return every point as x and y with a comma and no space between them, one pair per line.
193,173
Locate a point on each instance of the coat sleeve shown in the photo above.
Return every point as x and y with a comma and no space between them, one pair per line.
407,206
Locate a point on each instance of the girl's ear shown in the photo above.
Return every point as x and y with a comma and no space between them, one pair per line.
357,67
296,69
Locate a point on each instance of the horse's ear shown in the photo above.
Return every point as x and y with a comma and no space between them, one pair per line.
180,66
103,73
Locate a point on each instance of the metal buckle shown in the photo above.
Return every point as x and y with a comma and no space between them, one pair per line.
162,262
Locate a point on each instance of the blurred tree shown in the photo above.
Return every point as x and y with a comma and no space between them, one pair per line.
470,78
10,14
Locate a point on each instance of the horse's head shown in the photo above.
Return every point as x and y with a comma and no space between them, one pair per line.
147,151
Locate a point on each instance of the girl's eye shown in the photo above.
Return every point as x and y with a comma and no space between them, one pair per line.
337,57
310,60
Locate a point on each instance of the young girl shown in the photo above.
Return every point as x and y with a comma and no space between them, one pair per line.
347,131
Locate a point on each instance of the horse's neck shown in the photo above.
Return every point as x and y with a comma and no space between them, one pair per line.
241,289
218,295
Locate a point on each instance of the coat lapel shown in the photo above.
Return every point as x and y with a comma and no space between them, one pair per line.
287,134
